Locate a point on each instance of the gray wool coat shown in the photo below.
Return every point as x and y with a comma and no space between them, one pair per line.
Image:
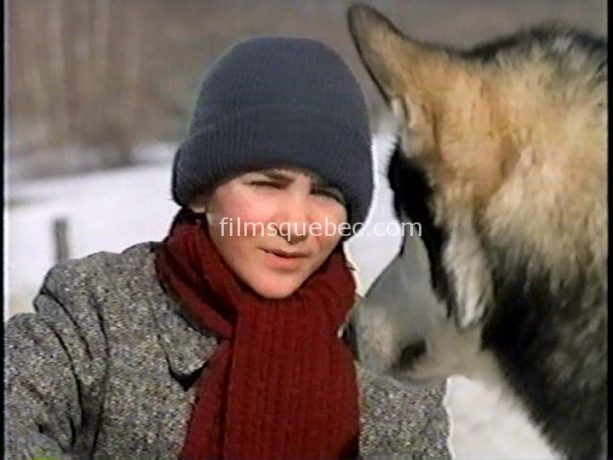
101,369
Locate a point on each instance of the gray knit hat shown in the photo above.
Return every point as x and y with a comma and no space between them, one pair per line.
278,101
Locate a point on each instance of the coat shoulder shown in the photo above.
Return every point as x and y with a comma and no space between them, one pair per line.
402,420
103,262
97,272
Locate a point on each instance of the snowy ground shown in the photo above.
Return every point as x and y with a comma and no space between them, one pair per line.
113,210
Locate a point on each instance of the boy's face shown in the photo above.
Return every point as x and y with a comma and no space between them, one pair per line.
270,227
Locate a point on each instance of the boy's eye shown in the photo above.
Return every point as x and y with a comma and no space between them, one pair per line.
264,183
330,193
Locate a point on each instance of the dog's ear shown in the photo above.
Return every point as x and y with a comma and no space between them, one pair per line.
411,76
379,44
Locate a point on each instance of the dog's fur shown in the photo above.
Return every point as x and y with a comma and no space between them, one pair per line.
502,160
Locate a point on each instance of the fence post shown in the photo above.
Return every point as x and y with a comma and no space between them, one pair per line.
60,237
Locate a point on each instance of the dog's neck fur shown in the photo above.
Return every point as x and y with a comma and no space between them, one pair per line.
532,352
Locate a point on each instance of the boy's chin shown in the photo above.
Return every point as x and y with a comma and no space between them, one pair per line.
276,289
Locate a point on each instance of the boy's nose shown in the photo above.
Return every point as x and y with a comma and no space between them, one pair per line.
293,222
292,232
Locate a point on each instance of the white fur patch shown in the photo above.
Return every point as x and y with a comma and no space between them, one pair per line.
404,123
467,264
453,352
397,108
377,339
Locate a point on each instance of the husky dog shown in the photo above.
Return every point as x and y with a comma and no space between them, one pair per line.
502,160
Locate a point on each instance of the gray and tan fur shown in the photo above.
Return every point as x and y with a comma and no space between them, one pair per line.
502,159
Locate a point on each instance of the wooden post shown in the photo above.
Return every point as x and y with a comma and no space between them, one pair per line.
60,237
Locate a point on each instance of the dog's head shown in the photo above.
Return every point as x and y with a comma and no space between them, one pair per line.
501,160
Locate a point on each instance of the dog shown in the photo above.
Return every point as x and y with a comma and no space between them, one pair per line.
501,158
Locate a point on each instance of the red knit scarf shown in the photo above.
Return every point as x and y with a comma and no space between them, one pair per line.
281,385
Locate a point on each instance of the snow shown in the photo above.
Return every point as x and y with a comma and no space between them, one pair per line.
112,210
370,252
106,211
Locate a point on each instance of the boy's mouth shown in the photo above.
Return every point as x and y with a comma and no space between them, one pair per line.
287,254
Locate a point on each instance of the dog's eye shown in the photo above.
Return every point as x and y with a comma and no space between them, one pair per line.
411,353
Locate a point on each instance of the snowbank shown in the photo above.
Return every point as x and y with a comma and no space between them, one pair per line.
106,211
